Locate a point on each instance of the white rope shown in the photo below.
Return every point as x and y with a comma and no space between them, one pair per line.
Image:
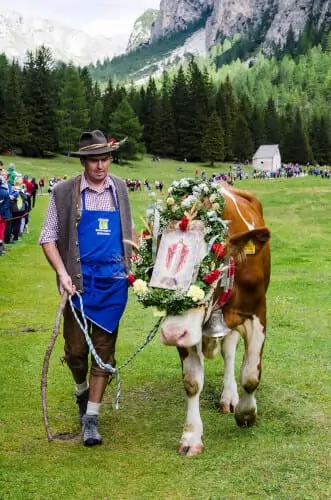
97,358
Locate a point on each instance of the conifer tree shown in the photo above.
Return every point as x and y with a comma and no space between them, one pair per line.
40,97
15,127
290,45
134,98
95,118
110,100
258,127
72,113
320,139
150,113
4,67
180,100
89,93
212,147
199,108
287,127
243,146
272,123
125,123
299,150
226,108
163,139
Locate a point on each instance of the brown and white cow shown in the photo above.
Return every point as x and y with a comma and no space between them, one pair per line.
244,314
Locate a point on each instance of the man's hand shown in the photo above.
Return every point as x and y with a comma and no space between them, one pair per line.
66,284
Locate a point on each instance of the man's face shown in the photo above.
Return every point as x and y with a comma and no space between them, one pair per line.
96,168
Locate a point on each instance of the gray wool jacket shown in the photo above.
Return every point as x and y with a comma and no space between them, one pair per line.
68,203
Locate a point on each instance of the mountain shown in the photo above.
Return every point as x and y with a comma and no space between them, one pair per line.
227,18
141,33
222,30
19,34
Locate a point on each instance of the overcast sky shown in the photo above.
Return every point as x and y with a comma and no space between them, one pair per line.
108,17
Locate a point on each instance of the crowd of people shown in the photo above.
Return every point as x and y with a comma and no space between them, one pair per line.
135,185
17,199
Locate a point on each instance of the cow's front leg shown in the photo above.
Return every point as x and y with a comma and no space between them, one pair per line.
229,397
254,336
193,377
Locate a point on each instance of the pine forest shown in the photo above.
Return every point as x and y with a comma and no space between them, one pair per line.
201,111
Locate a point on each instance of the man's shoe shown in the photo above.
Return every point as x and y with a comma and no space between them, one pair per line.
81,401
91,436
216,326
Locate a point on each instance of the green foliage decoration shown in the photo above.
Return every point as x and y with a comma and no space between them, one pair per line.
188,200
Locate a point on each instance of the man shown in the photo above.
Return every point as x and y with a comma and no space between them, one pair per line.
28,189
84,239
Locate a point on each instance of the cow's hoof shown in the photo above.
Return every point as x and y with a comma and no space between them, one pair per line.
226,407
186,450
247,419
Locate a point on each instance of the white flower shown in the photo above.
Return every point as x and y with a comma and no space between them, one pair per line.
212,198
189,201
175,184
202,186
206,189
170,201
196,293
215,206
179,293
212,215
170,190
140,287
184,183
159,205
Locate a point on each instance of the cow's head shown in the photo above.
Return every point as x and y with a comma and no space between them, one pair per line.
185,330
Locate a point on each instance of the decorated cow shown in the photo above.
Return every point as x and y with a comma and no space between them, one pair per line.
204,261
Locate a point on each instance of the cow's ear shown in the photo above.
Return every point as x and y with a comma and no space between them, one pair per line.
249,243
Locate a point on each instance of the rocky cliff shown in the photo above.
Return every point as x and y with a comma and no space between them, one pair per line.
224,18
141,32
19,34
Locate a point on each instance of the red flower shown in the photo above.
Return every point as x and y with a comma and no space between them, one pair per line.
211,277
219,250
134,257
144,234
112,141
131,279
183,225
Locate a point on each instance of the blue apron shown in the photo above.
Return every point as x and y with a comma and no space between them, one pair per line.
102,260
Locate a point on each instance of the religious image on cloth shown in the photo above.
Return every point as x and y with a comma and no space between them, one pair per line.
177,259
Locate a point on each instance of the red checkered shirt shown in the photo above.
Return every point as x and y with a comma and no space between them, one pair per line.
94,200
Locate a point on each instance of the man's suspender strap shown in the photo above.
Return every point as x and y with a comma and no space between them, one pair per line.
78,200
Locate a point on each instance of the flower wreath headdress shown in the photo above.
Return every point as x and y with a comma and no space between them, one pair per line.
188,201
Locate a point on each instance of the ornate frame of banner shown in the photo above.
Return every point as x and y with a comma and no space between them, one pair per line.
177,259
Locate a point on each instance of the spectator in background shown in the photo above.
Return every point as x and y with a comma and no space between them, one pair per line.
51,184
34,191
28,190
42,185
17,207
11,174
4,212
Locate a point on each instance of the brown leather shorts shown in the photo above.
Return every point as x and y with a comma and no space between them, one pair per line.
77,352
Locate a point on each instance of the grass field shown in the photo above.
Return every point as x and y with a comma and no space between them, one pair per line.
285,456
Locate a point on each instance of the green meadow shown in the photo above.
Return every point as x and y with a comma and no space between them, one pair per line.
285,456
